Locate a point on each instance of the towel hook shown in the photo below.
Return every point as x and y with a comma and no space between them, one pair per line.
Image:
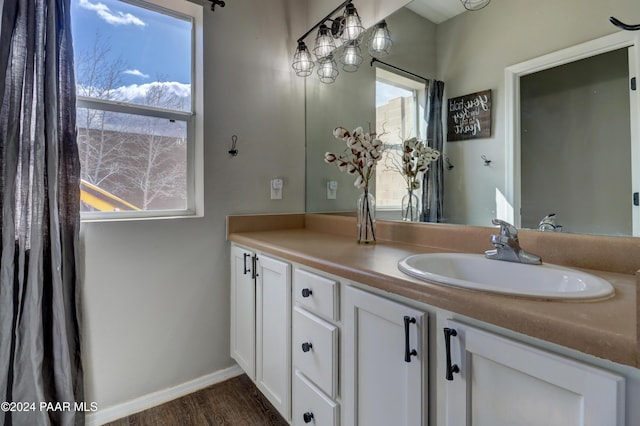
618,23
216,2
233,151
487,162
449,165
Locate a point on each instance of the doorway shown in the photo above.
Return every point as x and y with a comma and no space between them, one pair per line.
575,145
626,44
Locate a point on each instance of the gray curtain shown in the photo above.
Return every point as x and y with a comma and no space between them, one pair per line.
40,359
433,180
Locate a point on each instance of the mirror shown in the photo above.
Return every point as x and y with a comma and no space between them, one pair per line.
470,53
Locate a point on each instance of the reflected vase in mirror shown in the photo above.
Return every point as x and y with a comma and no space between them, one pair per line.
410,207
366,216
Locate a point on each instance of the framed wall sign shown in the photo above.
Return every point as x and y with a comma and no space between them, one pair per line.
469,116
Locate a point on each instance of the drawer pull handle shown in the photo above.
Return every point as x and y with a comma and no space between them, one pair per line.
307,417
306,346
448,332
408,352
306,292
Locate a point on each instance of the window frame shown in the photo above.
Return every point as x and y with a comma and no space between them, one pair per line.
194,119
415,87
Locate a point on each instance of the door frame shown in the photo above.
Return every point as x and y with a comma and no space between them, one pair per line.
619,40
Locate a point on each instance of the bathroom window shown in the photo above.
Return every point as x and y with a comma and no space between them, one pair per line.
397,119
139,115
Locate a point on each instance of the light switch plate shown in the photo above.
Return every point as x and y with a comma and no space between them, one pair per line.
276,189
332,189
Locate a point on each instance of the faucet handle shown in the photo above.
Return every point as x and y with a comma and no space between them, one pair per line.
506,229
548,223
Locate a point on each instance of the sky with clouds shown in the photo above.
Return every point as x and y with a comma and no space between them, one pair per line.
154,47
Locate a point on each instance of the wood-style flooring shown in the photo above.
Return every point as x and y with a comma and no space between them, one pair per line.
235,402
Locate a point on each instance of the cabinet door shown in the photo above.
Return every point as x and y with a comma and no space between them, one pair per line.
243,302
504,383
273,332
382,386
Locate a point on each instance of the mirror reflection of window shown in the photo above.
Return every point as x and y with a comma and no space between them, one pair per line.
397,118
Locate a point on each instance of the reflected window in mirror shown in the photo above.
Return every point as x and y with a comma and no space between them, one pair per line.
398,117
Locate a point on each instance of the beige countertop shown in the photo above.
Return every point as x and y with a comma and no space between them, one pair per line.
606,329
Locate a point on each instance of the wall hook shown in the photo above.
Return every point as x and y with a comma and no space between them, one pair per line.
449,165
618,23
216,2
233,151
487,162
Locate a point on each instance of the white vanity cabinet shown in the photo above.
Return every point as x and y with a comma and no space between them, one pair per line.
494,381
385,361
261,323
315,348
326,351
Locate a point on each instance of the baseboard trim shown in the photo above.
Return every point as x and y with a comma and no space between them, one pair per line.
125,409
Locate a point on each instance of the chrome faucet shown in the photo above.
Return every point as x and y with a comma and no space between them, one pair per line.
548,223
507,246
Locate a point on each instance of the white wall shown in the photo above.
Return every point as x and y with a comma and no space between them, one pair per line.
472,52
156,293
370,11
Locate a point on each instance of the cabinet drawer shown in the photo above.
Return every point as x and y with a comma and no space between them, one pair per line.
315,350
311,406
317,293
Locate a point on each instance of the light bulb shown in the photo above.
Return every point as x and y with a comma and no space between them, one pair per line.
353,28
327,69
380,43
351,57
324,43
302,61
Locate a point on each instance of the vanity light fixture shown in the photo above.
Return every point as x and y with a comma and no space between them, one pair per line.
380,42
349,29
352,30
351,57
324,43
327,69
302,61
474,4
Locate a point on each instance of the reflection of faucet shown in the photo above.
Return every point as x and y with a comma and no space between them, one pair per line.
548,223
507,246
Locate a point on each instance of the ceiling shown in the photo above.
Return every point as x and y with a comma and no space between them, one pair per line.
437,11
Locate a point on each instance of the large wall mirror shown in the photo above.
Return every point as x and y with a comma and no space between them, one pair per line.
561,153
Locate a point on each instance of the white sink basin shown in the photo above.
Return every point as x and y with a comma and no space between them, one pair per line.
474,271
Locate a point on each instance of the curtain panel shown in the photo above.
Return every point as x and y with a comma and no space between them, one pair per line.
433,179
40,353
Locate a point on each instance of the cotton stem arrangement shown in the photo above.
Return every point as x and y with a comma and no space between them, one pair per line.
360,157
416,156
